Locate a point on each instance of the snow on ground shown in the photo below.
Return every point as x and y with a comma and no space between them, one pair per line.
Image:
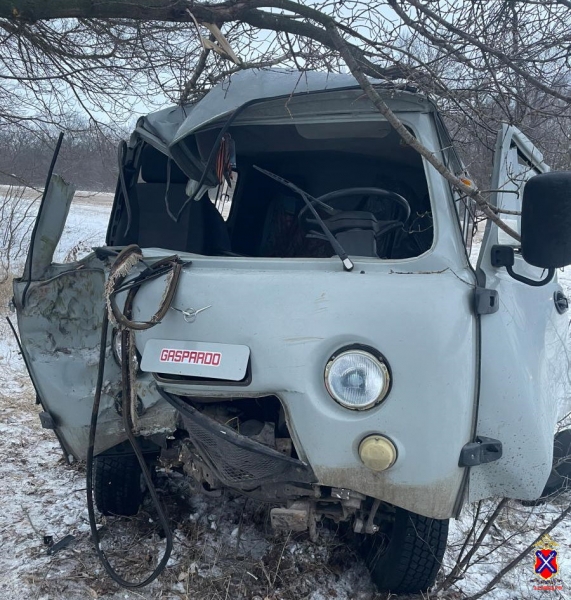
224,548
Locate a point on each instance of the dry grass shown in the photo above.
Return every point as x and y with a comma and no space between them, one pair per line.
208,563
6,294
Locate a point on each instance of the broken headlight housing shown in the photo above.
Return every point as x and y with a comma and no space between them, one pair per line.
357,379
116,346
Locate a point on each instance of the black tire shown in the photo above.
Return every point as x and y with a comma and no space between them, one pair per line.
560,477
561,473
118,487
407,557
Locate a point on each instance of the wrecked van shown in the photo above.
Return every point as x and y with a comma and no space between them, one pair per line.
285,308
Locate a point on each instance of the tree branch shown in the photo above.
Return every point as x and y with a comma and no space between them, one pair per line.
246,11
344,50
487,49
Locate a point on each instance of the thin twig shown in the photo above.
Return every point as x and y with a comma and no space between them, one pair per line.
280,559
462,565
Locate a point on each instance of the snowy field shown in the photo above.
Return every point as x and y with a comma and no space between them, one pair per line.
224,548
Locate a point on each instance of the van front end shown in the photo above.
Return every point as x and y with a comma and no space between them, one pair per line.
323,363
290,314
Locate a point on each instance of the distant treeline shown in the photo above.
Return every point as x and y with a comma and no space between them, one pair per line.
88,156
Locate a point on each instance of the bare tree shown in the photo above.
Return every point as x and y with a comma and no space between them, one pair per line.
88,157
482,61
18,206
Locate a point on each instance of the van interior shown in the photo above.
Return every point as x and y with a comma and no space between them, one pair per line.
260,216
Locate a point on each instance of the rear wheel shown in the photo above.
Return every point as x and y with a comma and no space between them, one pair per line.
560,476
405,556
118,484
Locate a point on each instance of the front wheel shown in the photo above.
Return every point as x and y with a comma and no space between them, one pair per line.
405,556
118,484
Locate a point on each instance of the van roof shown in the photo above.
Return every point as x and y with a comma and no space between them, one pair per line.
166,128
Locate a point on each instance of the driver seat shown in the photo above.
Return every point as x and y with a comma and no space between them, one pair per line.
357,231
282,235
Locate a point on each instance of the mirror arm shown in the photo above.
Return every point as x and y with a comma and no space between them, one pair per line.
503,256
528,281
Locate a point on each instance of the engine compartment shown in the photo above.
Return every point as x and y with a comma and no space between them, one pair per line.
235,444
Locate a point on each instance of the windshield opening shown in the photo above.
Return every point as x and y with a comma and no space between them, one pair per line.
369,188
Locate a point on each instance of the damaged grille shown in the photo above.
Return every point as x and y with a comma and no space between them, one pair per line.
237,460
234,463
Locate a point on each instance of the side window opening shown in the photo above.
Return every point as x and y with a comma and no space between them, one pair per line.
518,169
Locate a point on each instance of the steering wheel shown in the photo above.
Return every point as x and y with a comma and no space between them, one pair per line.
322,202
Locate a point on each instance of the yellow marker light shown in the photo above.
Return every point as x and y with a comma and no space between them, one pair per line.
377,453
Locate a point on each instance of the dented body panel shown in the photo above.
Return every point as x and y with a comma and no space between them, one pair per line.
64,359
310,312
51,221
281,315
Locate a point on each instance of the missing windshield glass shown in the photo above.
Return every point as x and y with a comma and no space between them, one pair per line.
378,202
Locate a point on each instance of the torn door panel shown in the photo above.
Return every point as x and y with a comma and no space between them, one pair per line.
60,313
51,221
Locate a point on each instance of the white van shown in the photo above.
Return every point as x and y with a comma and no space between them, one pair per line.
288,309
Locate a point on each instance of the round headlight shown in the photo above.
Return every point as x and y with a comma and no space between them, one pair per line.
357,379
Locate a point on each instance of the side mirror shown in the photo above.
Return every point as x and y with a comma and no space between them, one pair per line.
546,220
